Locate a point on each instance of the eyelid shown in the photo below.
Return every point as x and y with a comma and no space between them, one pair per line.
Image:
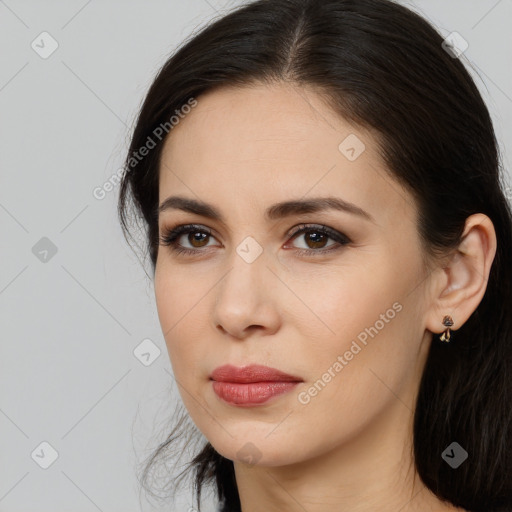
178,230
170,236
330,232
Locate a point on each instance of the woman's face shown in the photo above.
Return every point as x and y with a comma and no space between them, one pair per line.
341,311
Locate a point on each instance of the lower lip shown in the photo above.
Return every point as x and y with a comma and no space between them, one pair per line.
252,393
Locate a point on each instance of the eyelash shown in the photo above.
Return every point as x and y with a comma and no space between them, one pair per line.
170,238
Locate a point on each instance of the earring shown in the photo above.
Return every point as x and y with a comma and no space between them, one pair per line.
447,322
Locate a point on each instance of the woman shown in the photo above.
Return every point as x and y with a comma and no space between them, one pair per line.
330,245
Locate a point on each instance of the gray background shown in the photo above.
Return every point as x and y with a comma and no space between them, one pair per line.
71,323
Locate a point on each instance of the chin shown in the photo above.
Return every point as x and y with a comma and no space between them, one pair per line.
253,452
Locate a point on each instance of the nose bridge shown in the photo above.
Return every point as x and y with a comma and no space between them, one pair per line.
247,267
242,296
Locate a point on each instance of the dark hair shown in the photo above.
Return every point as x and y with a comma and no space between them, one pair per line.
384,68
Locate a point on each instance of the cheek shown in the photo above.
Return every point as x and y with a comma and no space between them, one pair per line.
354,366
342,303
179,306
358,316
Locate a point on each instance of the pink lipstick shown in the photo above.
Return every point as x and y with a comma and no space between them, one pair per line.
252,385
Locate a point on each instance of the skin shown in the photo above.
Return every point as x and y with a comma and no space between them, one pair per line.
349,447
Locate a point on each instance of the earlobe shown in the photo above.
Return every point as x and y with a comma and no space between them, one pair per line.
466,276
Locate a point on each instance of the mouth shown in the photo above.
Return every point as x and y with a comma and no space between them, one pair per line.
252,385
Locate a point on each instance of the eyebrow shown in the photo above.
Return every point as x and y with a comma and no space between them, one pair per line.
274,212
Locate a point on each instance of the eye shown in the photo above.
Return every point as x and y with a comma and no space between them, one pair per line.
315,238
197,235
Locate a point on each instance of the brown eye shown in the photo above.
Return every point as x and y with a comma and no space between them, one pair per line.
316,237
196,237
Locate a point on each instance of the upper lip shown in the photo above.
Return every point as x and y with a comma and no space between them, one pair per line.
251,373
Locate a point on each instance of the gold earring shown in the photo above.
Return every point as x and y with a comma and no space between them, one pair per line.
447,322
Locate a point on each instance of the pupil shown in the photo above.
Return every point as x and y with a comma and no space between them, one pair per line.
319,237
201,236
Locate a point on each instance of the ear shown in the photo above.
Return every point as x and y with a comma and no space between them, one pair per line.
459,286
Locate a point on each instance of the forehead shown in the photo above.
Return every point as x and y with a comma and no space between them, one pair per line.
267,143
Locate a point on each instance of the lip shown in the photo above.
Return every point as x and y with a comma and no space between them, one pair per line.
251,373
250,386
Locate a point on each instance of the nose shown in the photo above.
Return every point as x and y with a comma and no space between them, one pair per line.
247,299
